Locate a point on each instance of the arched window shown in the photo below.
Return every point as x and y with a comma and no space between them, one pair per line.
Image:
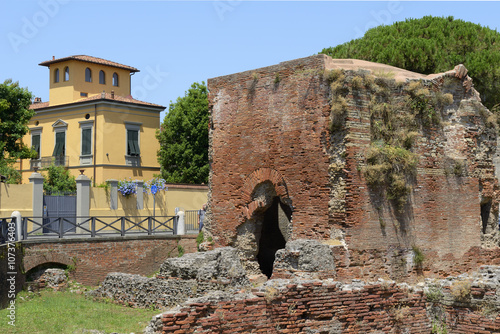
56,75
66,73
102,77
88,75
115,79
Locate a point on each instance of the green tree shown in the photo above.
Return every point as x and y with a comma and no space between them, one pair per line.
432,45
14,117
12,175
58,180
183,137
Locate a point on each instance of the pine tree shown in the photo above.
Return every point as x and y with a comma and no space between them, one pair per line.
432,45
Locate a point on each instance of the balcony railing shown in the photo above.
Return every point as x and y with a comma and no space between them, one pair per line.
45,162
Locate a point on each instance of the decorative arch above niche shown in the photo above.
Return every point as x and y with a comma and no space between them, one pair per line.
257,177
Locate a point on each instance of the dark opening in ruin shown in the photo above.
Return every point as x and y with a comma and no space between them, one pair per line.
271,238
485,214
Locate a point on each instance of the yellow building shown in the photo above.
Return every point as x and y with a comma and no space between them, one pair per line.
92,123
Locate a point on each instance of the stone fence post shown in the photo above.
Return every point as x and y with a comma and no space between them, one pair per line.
82,201
140,194
113,194
37,180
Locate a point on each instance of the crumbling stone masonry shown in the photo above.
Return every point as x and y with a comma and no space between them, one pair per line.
391,168
178,279
465,304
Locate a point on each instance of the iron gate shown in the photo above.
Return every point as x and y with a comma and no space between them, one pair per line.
55,207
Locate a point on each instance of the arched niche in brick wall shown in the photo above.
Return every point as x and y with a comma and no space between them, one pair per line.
267,215
250,188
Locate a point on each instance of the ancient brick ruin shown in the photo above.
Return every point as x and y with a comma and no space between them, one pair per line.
387,166
365,192
460,305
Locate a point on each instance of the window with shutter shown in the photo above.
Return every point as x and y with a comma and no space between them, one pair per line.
59,148
133,142
35,144
86,141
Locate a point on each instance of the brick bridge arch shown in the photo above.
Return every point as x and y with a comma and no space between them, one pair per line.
257,177
94,258
35,260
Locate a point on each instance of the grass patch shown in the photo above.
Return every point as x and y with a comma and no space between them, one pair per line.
199,239
65,312
180,250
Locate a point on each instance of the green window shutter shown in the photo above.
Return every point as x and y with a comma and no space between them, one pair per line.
133,142
35,144
59,147
86,141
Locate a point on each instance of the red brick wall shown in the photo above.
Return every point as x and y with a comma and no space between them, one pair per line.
327,308
442,218
317,306
95,258
259,122
276,119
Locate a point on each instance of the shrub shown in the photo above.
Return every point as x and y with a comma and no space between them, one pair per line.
439,327
390,167
199,239
12,175
418,256
460,290
339,109
270,294
401,314
277,78
58,180
334,75
433,294
357,82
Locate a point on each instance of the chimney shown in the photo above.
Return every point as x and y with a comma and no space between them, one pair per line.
112,94
53,57
38,100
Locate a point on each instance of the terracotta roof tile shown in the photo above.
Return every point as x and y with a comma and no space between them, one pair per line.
107,96
89,59
39,105
119,98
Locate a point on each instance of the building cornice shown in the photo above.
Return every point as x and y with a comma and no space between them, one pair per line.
59,107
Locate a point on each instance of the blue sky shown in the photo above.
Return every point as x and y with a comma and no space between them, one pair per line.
175,43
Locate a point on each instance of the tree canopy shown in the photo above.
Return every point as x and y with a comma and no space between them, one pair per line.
183,137
14,117
432,45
